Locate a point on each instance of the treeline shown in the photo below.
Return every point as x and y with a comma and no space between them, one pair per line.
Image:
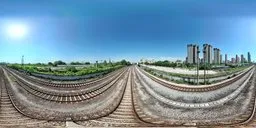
69,70
79,63
164,63
123,62
59,62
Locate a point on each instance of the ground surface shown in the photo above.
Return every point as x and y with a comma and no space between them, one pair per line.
180,70
134,100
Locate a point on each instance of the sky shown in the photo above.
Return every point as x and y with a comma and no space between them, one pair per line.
90,30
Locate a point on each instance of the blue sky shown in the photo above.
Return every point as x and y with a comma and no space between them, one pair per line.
82,30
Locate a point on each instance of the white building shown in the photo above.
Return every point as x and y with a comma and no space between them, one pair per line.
242,58
192,50
221,58
226,58
208,53
249,57
216,59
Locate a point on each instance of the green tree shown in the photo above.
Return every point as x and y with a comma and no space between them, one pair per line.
71,69
124,62
59,62
76,63
87,63
50,63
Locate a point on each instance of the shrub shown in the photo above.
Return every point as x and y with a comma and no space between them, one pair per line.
71,69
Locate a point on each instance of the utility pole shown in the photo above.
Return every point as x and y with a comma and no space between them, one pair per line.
198,59
22,60
96,64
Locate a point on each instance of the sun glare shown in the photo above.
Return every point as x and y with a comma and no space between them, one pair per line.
16,30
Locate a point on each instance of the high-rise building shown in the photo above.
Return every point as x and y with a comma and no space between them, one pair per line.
242,58
249,57
192,53
233,60
226,58
220,58
237,59
216,59
208,53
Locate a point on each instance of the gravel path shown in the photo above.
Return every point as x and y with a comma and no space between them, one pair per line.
123,116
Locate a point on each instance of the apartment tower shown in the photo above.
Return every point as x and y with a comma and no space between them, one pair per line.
208,53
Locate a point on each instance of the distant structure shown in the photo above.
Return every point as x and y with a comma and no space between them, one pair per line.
192,57
213,56
233,60
249,57
226,59
208,53
216,56
149,61
237,59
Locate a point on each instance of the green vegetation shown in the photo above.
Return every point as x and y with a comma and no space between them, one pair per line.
202,66
167,63
69,70
59,62
79,63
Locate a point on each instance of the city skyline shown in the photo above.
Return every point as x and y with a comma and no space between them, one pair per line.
88,31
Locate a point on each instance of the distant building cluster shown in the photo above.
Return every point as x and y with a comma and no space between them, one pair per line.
239,60
150,61
212,56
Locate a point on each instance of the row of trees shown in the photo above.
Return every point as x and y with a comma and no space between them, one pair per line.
164,63
59,62
79,63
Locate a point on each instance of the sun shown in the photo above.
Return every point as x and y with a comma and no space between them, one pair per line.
17,30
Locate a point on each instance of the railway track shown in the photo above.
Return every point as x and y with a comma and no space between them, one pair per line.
193,88
124,115
239,121
69,85
63,110
11,117
69,96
